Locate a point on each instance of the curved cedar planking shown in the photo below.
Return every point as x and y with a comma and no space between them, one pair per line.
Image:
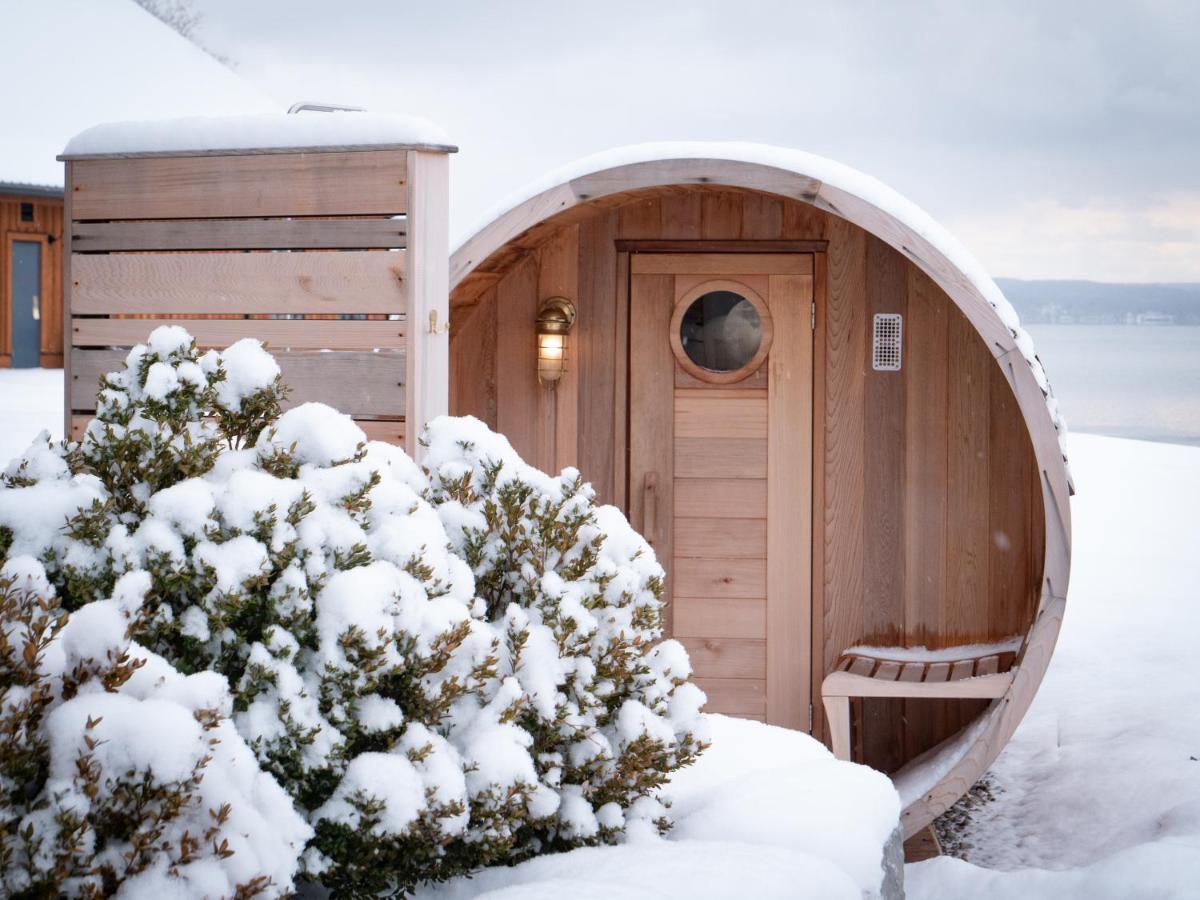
481,261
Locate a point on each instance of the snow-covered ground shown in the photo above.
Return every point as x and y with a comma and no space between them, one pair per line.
1100,786
765,813
31,400
1099,791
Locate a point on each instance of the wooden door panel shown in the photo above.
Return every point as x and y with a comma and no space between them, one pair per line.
746,697
743,539
721,417
722,657
718,577
735,617
721,498
729,457
720,481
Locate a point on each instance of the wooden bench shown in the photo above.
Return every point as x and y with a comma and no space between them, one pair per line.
942,676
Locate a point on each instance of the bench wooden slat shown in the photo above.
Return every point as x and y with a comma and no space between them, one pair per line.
938,671
989,665
912,671
964,668
887,671
844,663
862,666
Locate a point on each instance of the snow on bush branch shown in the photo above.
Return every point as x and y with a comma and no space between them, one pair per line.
444,668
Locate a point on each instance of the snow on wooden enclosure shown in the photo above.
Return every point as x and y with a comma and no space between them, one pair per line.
184,221
257,134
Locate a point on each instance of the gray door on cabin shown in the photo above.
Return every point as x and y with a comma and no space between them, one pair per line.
26,304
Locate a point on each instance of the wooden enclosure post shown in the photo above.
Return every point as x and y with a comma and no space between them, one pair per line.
336,257
427,290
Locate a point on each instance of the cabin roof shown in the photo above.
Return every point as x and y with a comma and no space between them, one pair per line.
263,132
813,179
21,189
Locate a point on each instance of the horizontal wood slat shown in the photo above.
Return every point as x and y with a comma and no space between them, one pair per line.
727,657
390,430
271,184
745,697
724,457
728,617
719,498
277,334
730,538
720,578
240,234
701,417
721,264
352,282
360,384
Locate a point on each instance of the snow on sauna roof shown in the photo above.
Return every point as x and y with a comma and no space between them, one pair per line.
826,171
87,61
266,131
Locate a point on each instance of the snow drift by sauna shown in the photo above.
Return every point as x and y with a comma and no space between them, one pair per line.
808,396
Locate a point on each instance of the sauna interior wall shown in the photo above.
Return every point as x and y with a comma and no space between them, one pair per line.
47,224
926,493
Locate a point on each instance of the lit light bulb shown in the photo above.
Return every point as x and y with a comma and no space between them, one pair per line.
554,322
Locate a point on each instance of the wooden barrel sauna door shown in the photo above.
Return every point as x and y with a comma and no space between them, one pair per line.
720,466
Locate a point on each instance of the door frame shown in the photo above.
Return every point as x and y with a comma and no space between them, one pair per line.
819,250
6,297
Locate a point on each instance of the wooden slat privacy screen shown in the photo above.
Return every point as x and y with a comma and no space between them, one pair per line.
335,259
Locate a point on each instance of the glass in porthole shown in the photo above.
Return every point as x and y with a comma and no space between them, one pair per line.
721,331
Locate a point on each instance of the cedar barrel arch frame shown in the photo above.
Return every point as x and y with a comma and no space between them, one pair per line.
933,781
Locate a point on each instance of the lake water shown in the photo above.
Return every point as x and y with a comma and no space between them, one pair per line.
1126,381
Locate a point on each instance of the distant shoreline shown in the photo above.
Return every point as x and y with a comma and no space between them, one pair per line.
1043,302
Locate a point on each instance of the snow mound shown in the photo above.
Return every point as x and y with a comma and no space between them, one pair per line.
697,870
765,812
771,786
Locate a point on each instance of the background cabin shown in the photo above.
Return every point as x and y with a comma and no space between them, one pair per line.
31,225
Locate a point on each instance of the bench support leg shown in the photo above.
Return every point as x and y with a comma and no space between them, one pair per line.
837,710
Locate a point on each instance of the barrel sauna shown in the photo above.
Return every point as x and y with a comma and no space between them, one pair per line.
816,406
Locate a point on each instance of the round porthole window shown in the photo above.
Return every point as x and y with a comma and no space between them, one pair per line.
721,332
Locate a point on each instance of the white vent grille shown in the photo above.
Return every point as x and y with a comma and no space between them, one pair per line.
887,343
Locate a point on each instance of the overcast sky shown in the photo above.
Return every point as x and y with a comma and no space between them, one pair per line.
1056,139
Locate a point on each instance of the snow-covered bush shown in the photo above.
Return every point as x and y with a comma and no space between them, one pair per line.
442,674
576,594
117,773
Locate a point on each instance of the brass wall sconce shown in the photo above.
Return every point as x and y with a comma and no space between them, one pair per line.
554,320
